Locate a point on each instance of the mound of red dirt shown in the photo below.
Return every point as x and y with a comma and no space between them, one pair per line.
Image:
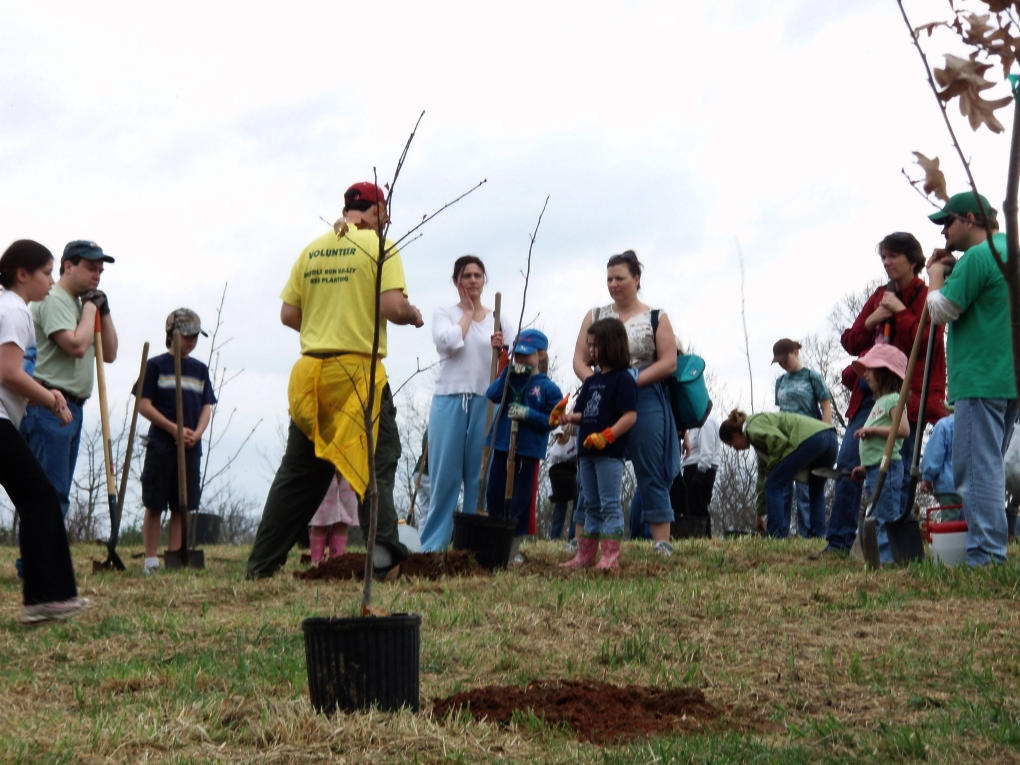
420,565
595,712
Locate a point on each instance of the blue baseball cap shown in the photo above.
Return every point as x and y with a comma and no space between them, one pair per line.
529,341
85,250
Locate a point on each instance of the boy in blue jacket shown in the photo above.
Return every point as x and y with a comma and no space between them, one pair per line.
937,464
529,401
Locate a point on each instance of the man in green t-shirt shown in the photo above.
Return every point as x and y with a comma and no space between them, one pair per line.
974,300
65,325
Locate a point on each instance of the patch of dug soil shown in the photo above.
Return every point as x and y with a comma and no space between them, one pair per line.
597,712
420,565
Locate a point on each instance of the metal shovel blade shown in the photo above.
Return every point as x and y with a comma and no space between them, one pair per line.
868,536
868,526
905,539
830,473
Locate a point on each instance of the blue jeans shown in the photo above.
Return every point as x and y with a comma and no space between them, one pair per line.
887,506
456,438
846,499
579,512
817,451
809,525
523,493
654,450
639,529
601,478
980,437
55,446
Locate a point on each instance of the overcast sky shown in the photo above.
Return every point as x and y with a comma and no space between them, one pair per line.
200,143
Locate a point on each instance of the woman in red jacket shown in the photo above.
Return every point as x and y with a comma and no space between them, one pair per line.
891,315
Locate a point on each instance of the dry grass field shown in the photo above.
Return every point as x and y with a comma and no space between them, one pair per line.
803,661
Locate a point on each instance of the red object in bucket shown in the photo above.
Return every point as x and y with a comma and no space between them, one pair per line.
942,527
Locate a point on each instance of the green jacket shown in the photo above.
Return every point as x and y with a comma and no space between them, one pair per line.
775,436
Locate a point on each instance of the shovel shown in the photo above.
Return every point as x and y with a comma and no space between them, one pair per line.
109,563
905,533
832,474
487,449
184,556
511,455
868,534
112,559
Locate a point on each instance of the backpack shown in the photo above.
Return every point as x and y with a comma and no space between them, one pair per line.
685,389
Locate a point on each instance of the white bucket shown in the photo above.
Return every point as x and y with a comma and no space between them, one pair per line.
949,549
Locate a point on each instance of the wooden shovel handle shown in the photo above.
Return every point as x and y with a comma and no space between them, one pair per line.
487,450
182,468
897,415
104,410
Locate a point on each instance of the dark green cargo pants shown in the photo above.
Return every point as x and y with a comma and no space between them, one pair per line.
301,482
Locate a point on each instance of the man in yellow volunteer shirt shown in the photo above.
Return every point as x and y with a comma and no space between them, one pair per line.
330,300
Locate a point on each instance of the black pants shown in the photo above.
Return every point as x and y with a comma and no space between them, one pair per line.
300,484
45,555
699,490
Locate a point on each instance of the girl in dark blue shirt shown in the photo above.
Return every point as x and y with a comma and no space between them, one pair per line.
606,409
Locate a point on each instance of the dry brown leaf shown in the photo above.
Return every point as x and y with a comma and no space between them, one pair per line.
929,28
934,180
374,611
963,78
977,28
998,6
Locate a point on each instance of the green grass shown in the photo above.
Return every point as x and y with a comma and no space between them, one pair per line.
808,661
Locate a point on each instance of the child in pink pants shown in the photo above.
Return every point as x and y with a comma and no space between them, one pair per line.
337,512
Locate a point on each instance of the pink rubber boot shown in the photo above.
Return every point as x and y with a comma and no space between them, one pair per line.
587,547
317,545
609,560
337,544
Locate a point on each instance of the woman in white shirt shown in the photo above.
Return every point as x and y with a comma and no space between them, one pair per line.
465,339
50,593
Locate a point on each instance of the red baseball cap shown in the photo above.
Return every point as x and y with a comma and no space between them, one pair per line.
364,192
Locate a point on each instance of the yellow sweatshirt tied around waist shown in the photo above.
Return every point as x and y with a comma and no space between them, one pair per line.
327,400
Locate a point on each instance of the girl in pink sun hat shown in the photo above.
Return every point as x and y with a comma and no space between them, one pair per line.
883,368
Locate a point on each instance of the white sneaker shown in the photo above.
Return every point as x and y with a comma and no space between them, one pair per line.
54,611
151,566
663,548
571,546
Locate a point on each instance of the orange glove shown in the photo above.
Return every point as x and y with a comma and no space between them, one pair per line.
560,408
598,441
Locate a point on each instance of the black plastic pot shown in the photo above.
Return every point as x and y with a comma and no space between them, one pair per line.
204,528
355,663
488,537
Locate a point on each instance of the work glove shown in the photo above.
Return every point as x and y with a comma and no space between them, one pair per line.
560,408
518,412
520,369
97,298
598,441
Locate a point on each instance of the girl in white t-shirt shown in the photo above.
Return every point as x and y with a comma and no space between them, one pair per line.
50,593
